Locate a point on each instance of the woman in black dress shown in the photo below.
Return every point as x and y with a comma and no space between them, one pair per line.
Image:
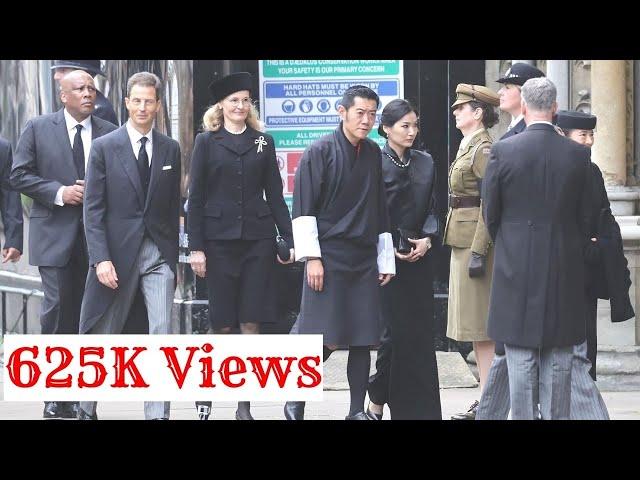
235,203
406,375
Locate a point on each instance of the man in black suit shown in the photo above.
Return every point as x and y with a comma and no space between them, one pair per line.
536,208
103,108
512,82
494,403
131,215
10,207
49,167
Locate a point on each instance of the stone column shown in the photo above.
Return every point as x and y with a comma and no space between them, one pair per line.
608,95
558,73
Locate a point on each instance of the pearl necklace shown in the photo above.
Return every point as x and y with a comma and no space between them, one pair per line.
401,165
236,133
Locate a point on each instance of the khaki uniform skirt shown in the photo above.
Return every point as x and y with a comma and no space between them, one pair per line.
468,305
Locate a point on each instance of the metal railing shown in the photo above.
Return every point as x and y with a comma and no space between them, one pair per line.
27,293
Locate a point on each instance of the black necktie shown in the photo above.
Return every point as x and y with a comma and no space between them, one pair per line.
78,152
143,166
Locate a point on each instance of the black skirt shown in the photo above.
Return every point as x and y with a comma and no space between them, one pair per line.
240,283
347,310
407,306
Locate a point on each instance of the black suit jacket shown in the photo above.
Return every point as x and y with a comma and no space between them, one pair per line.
116,217
10,204
43,163
227,181
517,128
536,206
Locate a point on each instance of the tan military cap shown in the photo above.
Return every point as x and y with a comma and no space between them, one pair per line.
467,93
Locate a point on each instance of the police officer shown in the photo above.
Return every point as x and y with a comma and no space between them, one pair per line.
465,232
512,82
103,108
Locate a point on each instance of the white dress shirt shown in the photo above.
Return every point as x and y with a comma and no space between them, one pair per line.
514,122
85,136
135,136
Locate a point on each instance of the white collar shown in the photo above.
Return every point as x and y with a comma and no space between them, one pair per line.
540,121
72,122
135,135
514,121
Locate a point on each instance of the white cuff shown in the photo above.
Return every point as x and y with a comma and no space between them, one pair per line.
386,257
305,238
58,200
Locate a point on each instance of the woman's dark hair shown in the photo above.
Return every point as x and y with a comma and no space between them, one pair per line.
394,111
490,115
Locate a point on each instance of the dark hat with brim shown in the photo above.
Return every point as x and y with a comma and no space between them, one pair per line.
90,66
230,84
466,92
573,120
520,73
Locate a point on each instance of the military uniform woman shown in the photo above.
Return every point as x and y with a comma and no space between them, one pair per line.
471,249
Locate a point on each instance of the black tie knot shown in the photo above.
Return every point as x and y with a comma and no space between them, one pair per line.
143,140
79,127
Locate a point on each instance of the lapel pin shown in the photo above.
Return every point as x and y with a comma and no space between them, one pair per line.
260,141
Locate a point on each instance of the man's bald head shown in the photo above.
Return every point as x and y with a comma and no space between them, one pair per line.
78,94
73,76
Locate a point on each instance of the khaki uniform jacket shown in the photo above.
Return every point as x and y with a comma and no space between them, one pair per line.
465,226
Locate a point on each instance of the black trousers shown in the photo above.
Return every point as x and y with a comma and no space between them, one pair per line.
63,291
240,276
406,371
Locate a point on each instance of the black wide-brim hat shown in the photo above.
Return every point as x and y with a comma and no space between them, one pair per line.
573,120
91,66
232,83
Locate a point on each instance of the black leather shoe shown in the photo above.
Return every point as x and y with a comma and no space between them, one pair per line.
68,409
82,415
294,410
374,416
51,410
161,418
358,416
469,414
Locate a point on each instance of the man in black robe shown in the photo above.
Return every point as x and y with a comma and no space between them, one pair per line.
341,230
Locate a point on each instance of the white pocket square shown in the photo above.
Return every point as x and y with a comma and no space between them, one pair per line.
166,167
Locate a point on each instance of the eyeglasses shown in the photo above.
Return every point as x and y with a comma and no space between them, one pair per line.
236,102
136,102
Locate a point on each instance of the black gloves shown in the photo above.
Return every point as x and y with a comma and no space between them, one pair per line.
476,265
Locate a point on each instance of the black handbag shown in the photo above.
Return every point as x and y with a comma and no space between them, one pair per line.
404,245
282,247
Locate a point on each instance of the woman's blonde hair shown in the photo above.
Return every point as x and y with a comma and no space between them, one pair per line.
213,119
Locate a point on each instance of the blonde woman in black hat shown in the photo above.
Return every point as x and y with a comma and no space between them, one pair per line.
235,204
406,375
471,249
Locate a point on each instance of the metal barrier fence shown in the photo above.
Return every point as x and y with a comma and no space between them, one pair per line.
10,327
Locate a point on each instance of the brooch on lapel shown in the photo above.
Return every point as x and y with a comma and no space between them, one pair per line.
260,141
